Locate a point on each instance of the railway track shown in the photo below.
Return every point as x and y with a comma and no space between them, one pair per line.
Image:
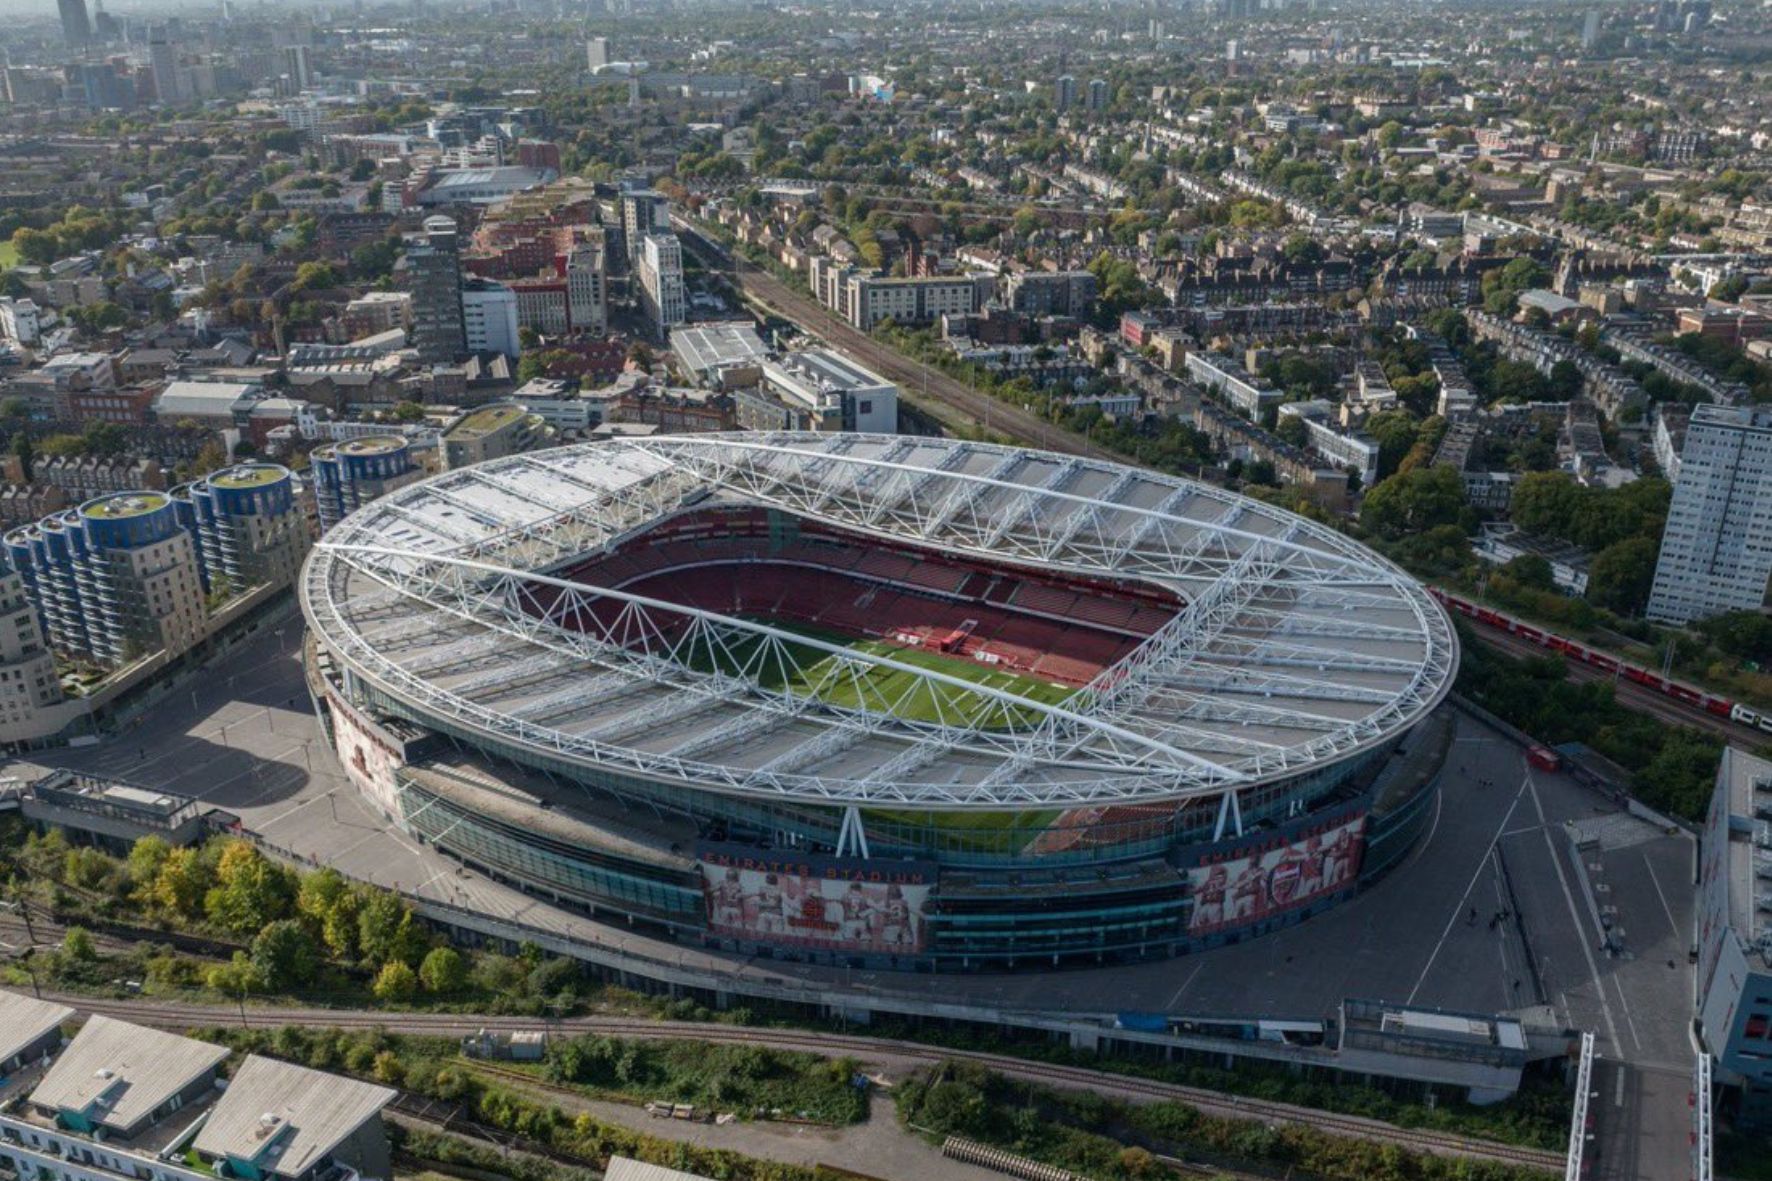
913,378
829,1045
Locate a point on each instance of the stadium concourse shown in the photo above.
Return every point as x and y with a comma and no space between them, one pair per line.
881,701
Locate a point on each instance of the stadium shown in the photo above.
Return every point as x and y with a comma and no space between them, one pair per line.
881,700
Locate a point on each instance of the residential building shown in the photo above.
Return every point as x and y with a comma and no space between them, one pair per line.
163,65
1716,551
348,475
1734,935
114,580
869,299
30,1030
246,527
28,682
493,431
660,272
1222,376
116,1102
489,318
1051,293
643,212
541,305
20,321
432,266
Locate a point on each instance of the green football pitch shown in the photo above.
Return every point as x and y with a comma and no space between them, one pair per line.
803,670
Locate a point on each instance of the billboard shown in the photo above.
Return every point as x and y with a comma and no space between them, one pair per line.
825,903
1249,885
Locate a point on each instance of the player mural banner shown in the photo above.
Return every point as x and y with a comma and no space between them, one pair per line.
829,903
1250,885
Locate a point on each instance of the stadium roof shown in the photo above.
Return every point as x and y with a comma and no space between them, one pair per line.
1295,647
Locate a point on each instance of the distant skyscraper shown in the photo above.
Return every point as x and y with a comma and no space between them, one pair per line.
163,65
1590,28
105,28
642,212
1098,94
1232,50
433,271
596,53
76,29
298,63
1064,92
1714,552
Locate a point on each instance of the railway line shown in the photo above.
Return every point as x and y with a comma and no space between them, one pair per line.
913,378
178,1017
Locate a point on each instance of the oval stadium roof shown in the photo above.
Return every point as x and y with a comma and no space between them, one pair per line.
1294,646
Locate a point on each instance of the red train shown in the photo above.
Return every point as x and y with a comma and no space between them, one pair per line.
1710,703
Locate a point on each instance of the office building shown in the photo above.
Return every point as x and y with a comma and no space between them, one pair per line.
114,580
489,317
721,354
819,390
642,212
244,522
493,431
350,474
587,295
432,265
1734,983
596,53
76,28
660,272
541,304
1714,552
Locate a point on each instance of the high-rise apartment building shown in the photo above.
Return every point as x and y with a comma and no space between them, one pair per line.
660,273
76,28
28,680
433,273
642,212
163,65
596,53
1098,94
1064,93
245,525
298,64
350,474
587,296
1716,551
489,317
114,580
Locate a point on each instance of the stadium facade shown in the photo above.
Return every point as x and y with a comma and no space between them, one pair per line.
881,700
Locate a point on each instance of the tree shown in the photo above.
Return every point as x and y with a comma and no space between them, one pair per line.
1620,576
443,971
1544,503
329,903
395,982
26,454
408,411
1531,570
146,858
284,956
1414,502
237,977
250,892
386,930
182,883
77,944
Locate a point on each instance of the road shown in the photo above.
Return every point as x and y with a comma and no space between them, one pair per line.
895,1055
920,384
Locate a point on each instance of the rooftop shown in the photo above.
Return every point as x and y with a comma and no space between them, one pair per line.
122,505
484,421
371,445
24,1019
249,475
284,1117
1747,781
119,1073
